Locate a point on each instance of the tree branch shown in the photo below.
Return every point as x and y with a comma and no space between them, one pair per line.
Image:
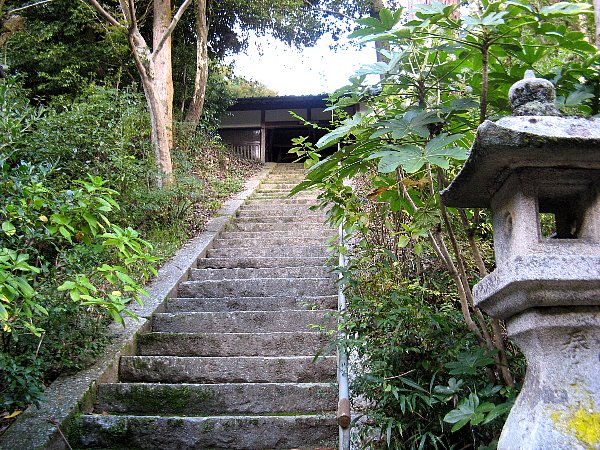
172,25
41,2
132,17
329,11
104,13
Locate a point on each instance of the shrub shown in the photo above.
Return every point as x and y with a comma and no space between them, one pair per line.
65,266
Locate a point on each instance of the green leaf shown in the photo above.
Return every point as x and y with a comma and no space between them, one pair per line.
3,313
409,157
336,135
453,387
438,152
463,413
67,285
566,9
66,234
8,228
578,97
387,18
469,362
59,219
403,241
499,410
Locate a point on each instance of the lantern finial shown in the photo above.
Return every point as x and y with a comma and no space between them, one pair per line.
533,96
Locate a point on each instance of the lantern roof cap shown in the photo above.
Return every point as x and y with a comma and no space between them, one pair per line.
514,143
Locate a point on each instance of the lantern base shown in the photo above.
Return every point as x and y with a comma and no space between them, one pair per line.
559,405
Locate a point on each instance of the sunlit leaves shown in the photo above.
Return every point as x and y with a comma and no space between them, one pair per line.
411,158
566,9
336,135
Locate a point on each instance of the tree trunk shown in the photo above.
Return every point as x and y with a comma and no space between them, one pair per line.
195,109
375,7
597,21
162,140
155,71
162,81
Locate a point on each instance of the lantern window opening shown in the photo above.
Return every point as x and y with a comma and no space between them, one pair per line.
561,218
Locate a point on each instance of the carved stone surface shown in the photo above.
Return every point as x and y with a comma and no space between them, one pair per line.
558,407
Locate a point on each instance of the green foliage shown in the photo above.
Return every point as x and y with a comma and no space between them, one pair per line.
436,371
64,264
63,47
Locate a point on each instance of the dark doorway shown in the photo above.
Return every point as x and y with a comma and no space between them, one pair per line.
279,142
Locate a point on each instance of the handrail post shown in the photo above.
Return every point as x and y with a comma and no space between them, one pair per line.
343,416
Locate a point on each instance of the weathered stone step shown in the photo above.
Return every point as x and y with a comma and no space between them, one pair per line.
325,234
268,227
193,433
276,251
284,214
239,321
252,261
216,304
275,272
269,241
239,369
281,195
305,343
285,201
279,184
292,220
259,287
281,211
215,399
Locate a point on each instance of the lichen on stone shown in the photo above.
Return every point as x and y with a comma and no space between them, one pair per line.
583,423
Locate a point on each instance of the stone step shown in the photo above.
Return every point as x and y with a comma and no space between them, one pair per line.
222,432
285,210
252,261
285,214
259,287
285,201
268,241
215,399
276,251
300,228
305,343
279,184
250,304
239,321
325,234
281,195
275,272
292,220
238,369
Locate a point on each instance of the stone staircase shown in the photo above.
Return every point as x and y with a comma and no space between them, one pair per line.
229,364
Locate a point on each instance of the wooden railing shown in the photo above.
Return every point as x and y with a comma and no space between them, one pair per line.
247,151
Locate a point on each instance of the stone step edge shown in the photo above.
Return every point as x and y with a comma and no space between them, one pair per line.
32,428
202,399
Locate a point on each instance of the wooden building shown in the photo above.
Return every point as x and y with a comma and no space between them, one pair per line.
262,128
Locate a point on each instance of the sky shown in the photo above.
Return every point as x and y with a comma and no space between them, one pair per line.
290,71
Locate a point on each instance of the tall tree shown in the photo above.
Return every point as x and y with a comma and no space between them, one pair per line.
596,4
155,70
197,103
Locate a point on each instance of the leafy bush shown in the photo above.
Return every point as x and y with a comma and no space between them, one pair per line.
64,265
435,371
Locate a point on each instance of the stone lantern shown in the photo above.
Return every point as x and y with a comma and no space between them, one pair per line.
540,175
